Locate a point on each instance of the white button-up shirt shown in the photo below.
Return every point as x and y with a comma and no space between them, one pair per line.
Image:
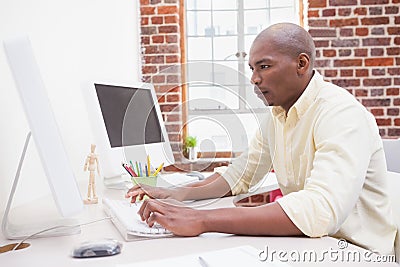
328,158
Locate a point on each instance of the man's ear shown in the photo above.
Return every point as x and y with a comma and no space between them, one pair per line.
303,63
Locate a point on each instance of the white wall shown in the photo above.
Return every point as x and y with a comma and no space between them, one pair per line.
74,41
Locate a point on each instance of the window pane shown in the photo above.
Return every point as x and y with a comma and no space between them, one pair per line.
284,15
198,4
282,3
213,97
198,22
255,21
224,4
200,72
255,4
225,22
248,41
226,73
225,48
199,48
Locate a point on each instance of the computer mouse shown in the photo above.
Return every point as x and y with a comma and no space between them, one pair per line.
98,248
197,174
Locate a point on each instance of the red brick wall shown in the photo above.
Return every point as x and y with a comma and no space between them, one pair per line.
161,57
358,48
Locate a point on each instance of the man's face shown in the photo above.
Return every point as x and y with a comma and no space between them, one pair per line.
274,75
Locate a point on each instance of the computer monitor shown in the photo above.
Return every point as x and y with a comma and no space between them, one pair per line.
46,135
127,125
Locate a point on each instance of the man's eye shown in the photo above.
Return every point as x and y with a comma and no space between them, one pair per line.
264,66
251,69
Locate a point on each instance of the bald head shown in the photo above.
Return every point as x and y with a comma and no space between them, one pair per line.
289,39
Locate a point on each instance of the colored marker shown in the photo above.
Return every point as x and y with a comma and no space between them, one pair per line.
148,165
158,169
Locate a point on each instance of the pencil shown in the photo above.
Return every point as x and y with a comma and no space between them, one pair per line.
158,169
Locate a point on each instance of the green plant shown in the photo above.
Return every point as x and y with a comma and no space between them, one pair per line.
190,141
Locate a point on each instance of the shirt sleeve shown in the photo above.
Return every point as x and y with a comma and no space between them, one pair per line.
345,138
250,167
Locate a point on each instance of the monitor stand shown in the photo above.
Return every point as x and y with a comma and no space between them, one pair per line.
48,228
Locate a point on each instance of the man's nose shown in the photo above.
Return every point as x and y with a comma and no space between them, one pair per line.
255,78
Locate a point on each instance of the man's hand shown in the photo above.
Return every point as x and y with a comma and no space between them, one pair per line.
174,216
137,192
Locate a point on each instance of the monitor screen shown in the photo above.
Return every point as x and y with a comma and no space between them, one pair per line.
129,115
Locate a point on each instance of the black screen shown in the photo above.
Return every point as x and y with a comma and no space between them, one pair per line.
129,115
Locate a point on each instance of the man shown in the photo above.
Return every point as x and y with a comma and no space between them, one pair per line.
323,145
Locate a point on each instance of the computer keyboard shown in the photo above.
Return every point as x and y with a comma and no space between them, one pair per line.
125,218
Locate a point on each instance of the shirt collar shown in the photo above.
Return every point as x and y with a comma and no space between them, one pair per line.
303,103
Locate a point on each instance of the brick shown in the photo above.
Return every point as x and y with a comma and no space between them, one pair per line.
171,19
398,61
316,3
157,39
360,52
397,123
346,32
173,98
377,52
173,79
147,10
375,21
361,11
382,132
377,82
148,30
362,31
173,128
362,73
313,13
391,10
377,92
347,62
396,81
384,122
170,108
396,101
392,91
318,22
317,53
374,2
331,73
392,111
144,2
329,12
343,22
322,43
378,72
171,38
157,20
346,73
144,21
154,59
155,2
346,43
344,52
375,11
393,30
379,102
167,9
322,32
346,82
392,51
376,41
145,40
345,12
329,53
361,92
394,71
172,137
379,62
168,29
149,69
377,111
397,40
342,2
158,79
397,20
322,63
378,31
172,59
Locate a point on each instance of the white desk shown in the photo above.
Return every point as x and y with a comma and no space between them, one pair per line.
55,251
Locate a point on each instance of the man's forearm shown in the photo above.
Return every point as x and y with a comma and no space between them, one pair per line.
268,219
213,187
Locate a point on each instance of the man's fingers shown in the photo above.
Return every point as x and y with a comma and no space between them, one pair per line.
150,206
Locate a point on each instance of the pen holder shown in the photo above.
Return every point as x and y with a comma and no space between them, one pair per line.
147,180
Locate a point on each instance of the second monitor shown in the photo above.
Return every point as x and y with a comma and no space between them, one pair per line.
127,126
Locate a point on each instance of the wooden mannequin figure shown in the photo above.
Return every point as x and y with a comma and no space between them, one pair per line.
91,164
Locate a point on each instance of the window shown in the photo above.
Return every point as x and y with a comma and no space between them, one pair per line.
223,110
